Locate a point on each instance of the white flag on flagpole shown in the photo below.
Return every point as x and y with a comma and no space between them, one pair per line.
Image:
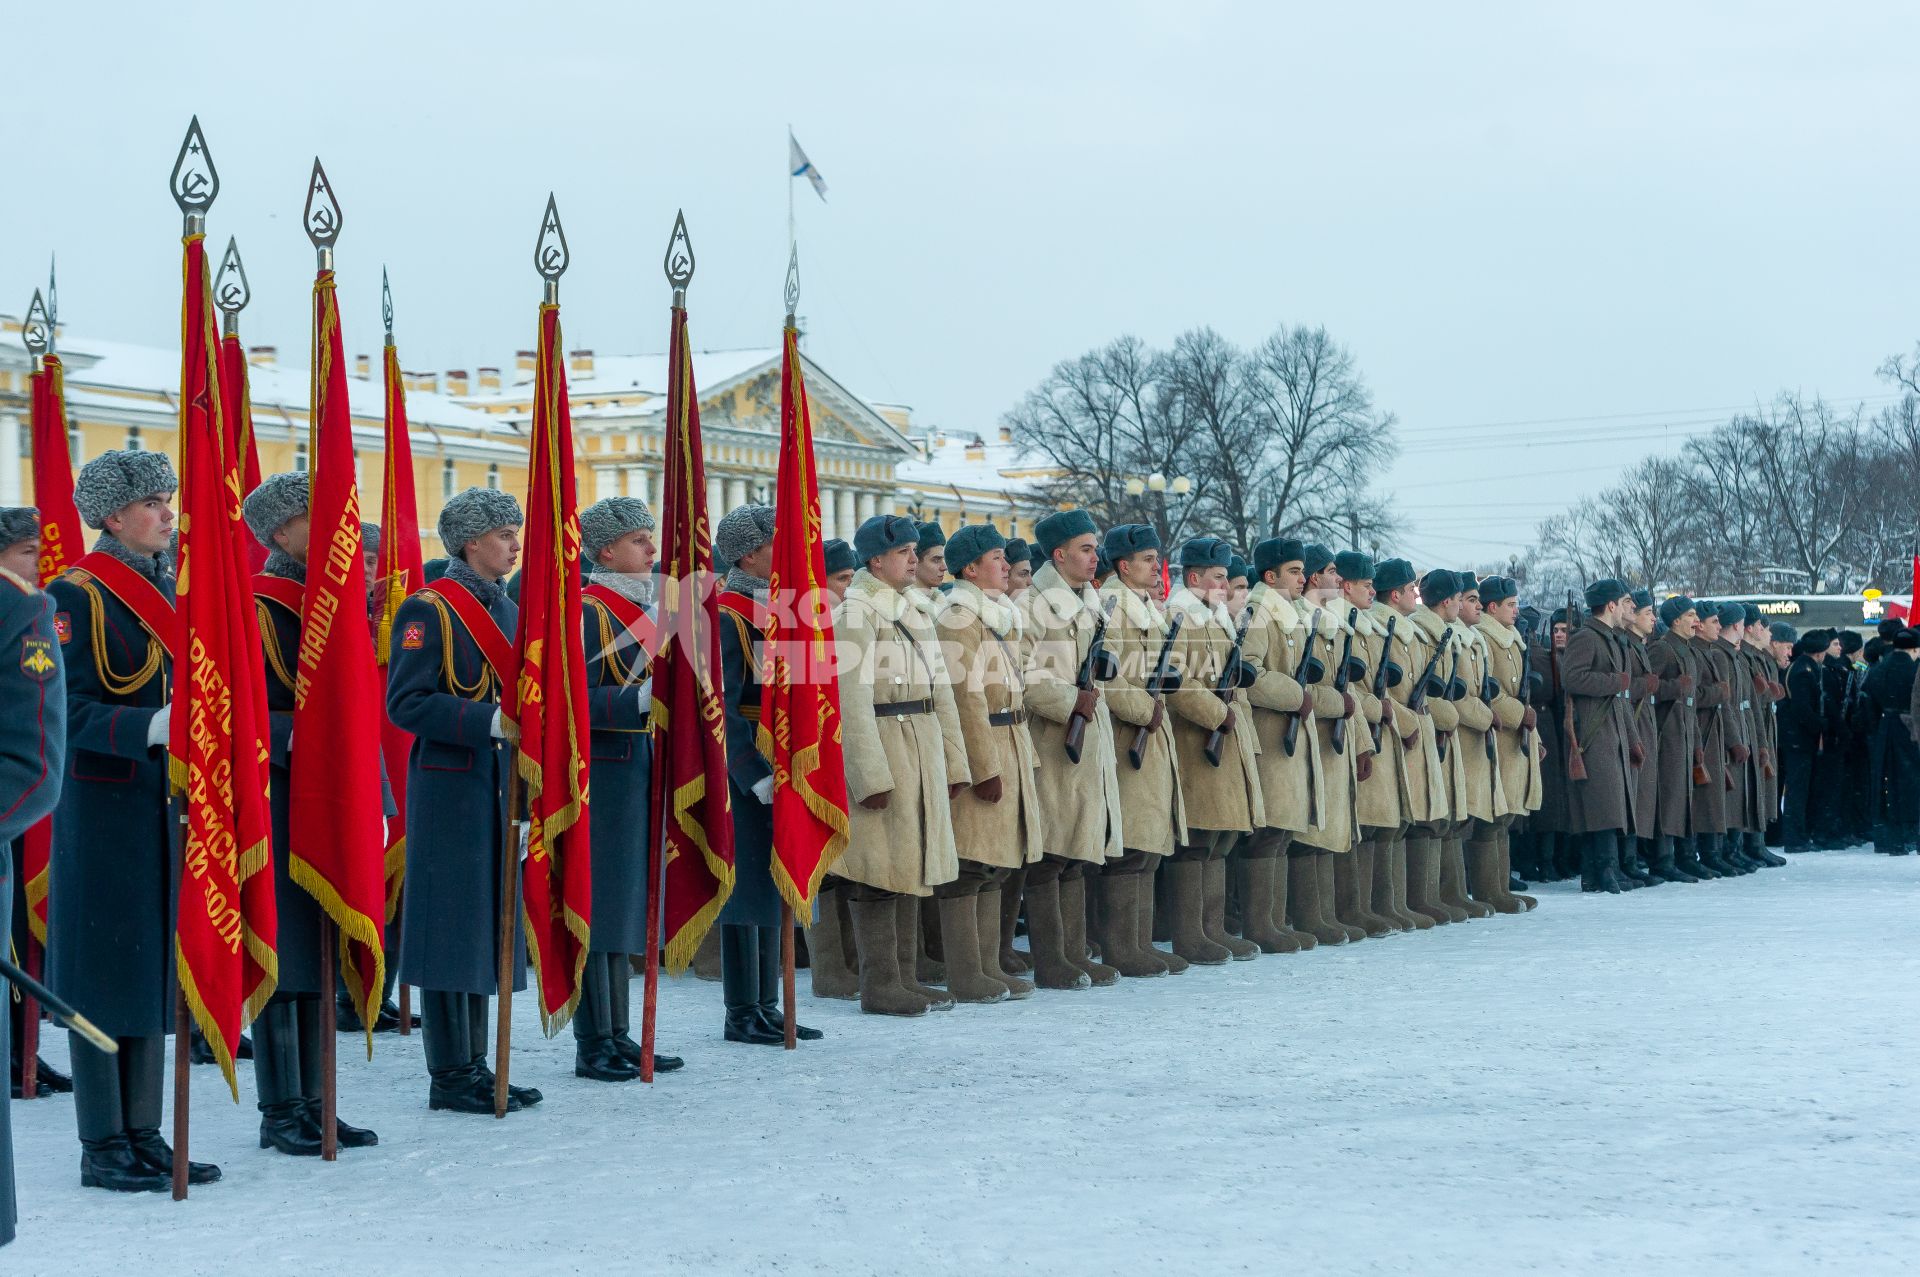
801,166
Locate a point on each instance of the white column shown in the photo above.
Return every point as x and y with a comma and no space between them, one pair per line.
9,459
714,508
606,482
736,493
865,506
849,518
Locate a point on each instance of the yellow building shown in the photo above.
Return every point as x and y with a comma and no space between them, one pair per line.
471,430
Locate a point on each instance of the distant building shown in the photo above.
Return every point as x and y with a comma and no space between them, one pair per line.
471,429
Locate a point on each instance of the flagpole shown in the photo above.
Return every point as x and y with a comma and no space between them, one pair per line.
790,239
39,340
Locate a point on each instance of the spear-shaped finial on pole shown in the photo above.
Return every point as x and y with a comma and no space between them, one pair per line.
195,181
231,292
386,304
679,260
793,283
550,255
53,304
322,215
37,332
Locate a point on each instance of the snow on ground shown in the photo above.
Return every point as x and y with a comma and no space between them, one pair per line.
1710,1079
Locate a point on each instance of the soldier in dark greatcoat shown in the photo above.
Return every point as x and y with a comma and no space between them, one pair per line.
1890,687
452,642
286,1049
616,541
1675,661
750,920
1639,856
33,737
1594,672
1802,729
1547,827
112,886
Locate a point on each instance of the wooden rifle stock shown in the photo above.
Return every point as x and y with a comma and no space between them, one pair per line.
1338,733
1290,736
1085,681
1137,752
1228,683
1380,680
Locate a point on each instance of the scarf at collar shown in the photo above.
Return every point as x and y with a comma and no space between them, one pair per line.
1507,636
1197,608
746,583
487,592
280,563
630,586
1137,609
157,568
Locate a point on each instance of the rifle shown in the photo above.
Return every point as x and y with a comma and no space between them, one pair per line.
1455,689
1097,666
1527,677
1341,677
1306,672
1234,675
1382,681
1576,757
1164,680
1490,688
1429,677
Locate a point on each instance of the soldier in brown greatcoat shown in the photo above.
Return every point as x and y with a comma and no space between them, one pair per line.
1674,660
1600,726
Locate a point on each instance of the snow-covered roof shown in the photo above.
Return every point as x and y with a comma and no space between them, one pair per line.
996,466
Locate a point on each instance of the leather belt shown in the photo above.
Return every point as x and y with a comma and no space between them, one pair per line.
1007,718
899,709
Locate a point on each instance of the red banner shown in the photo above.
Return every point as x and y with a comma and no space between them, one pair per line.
689,713
799,694
62,540
339,845
549,713
224,935
401,572
236,397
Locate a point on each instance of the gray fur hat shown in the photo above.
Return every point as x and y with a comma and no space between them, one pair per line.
606,521
474,513
744,529
369,537
114,480
839,557
278,498
18,523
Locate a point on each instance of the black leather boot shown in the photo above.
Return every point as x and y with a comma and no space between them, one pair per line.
1665,865
276,1077
768,1009
1627,848
455,1085
1753,845
740,986
619,973
1596,865
595,1057
466,1088
1686,857
1707,847
524,1096
111,1163
155,1152
306,1012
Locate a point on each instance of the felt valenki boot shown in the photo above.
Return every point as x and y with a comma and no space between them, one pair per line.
1186,892
908,947
1389,880
1073,923
1012,961
876,939
1047,939
828,968
1423,879
967,979
1120,928
1144,919
1346,893
1257,907
1378,897
1303,901
1213,918
930,965
987,924
1453,880
1327,894
1282,898
1503,871
1375,924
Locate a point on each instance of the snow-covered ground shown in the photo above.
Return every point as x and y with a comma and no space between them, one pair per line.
1711,1079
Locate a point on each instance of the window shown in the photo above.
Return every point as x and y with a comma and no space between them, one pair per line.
133,439
26,440
299,456
446,478
493,476
73,444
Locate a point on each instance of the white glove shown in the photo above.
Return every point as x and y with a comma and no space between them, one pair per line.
646,695
494,727
157,728
763,790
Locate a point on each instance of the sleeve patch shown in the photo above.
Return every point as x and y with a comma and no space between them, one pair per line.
414,636
36,658
63,627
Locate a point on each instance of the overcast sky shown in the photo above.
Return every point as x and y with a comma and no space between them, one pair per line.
1622,219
